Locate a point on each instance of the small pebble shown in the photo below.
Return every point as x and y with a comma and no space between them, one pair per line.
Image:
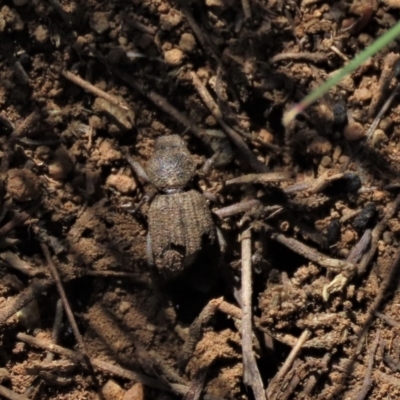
41,34
265,136
170,20
362,219
378,137
387,237
100,22
112,391
333,232
363,94
326,161
354,131
123,183
352,182
174,57
61,164
392,3
22,185
320,146
187,43
348,236
136,392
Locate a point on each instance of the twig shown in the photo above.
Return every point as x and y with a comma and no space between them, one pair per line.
69,313
390,321
162,103
366,386
64,299
196,330
249,157
377,119
251,374
245,205
204,40
197,386
246,9
11,395
383,84
99,364
55,334
309,386
25,297
15,134
18,219
302,56
310,253
277,380
315,185
14,261
93,89
376,234
261,178
236,312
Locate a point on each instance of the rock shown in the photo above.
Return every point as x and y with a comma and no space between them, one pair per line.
112,391
354,131
170,20
41,34
99,22
174,57
61,164
22,185
123,183
187,43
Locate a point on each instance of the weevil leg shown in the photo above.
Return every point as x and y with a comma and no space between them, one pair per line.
149,251
137,169
210,163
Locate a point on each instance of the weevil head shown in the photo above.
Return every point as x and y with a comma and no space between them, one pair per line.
171,167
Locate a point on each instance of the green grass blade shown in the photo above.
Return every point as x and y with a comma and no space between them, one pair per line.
370,51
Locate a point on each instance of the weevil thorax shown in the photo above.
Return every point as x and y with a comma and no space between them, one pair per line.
171,166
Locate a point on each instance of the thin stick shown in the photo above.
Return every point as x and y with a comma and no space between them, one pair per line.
162,103
25,297
233,209
310,253
232,134
201,36
288,362
14,261
266,177
196,330
376,234
93,89
99,364
18,219
383,84
11,395
55,334
251,374
366,386
236,312
68,311
303,56
246,9
389,320
64,299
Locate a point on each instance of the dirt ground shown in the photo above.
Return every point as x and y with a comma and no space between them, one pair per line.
83,85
